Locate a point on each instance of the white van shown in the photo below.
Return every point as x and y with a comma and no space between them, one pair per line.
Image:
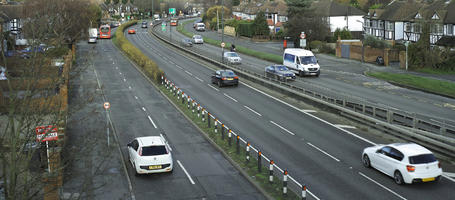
200,27
302,61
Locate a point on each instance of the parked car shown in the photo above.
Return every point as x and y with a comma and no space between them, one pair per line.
200,27
197,39
405,162
186,42
150,155
232,58
131,31
280,72
144,24
225,77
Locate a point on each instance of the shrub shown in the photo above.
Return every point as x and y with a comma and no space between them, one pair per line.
344,34
316,44
246,29
375,42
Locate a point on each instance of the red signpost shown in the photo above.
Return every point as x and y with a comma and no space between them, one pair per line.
45,134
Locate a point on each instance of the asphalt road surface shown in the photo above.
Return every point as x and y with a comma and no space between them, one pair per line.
316,152
138,109
344,78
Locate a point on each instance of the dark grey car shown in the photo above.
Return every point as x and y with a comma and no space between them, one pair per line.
280,72
186,42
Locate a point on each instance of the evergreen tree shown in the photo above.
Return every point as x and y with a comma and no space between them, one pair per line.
260,25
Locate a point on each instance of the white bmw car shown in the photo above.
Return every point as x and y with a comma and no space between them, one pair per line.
405,162
150,155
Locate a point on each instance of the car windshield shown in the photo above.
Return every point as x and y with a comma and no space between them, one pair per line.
227,73
308,60
154,150
281,68
421,159
200,25
197,37
232,54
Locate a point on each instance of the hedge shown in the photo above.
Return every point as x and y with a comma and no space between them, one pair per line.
150,68
246,29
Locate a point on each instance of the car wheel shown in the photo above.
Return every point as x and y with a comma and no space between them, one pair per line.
398,178
366,161
135,170
219,83
317,75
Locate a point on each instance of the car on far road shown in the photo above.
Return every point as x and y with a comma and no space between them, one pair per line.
200,27
144,24
131,31
197,39
150,155
186,42
225,77
405,162
115,24
280,72
232,58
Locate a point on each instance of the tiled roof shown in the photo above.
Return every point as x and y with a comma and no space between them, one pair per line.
450,16
332,8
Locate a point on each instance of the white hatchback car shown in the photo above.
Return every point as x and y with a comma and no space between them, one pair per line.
197,39
150,155
405,162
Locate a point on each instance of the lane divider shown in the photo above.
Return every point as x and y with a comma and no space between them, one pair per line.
186,172
282,128
253,111
333,157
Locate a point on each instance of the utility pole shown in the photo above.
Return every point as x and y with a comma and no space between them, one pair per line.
222,31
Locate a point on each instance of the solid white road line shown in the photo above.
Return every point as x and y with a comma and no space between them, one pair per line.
143,109
213,87
135,97
189,73
282,128
345,126
184,170
170,149
230,97
279,100
252,110
450,176
309,111
333,157
152,121
178,67
198,79
391,191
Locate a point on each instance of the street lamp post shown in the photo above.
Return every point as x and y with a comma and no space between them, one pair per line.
222,31
406,44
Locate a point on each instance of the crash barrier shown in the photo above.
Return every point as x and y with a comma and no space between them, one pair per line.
231,139
438,135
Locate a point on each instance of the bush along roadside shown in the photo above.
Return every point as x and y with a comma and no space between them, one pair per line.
263,170
150,68
435,86
262,55
272,179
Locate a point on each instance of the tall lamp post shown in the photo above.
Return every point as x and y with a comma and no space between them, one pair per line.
363,37
222,31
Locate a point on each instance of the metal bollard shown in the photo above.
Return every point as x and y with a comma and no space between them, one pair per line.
162,80
247,152
183,97
175,90
303,192
208,119
193,105
222,131
285,182
259,161
189,99
178,94
238,144
229,137
216,125
271,171
198,111
203,114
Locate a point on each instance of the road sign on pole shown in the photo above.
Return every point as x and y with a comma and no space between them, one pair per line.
223,44
302,35
107,105
172,11
163,27
302,43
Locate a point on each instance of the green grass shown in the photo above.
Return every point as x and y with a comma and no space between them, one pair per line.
426,84
435,71
273,189
241,49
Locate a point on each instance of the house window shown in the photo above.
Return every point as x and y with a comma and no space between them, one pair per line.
367,23
375,24
417,28
389,26
407,27
436,29
449,29
381,25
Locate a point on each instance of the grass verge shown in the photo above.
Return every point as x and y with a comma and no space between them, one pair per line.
273,189
154,72
426,84
435,71
241,49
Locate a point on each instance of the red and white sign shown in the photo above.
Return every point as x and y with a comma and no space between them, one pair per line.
46,133
302,35
107,105
223,44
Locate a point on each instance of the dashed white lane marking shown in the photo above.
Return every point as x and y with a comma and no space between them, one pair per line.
187,174
189,73
198,79
391,191
178,67
143,109
309,111
213,87
169,146
253,111
124,80
282,127
135,97
129,87
151,120
345,126
333,157
230,97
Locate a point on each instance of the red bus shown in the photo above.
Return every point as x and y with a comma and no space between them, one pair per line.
105,31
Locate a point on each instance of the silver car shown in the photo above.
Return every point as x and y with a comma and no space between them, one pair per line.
197,39
232,58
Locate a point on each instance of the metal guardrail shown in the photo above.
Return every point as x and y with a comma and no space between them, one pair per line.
438,136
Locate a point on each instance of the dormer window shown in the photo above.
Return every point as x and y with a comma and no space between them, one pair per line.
435,16
418,16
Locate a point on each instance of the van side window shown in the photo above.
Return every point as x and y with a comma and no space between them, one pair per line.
289,57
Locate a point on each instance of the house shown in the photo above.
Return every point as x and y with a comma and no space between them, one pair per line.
12,20
275,12
404,20
340,16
